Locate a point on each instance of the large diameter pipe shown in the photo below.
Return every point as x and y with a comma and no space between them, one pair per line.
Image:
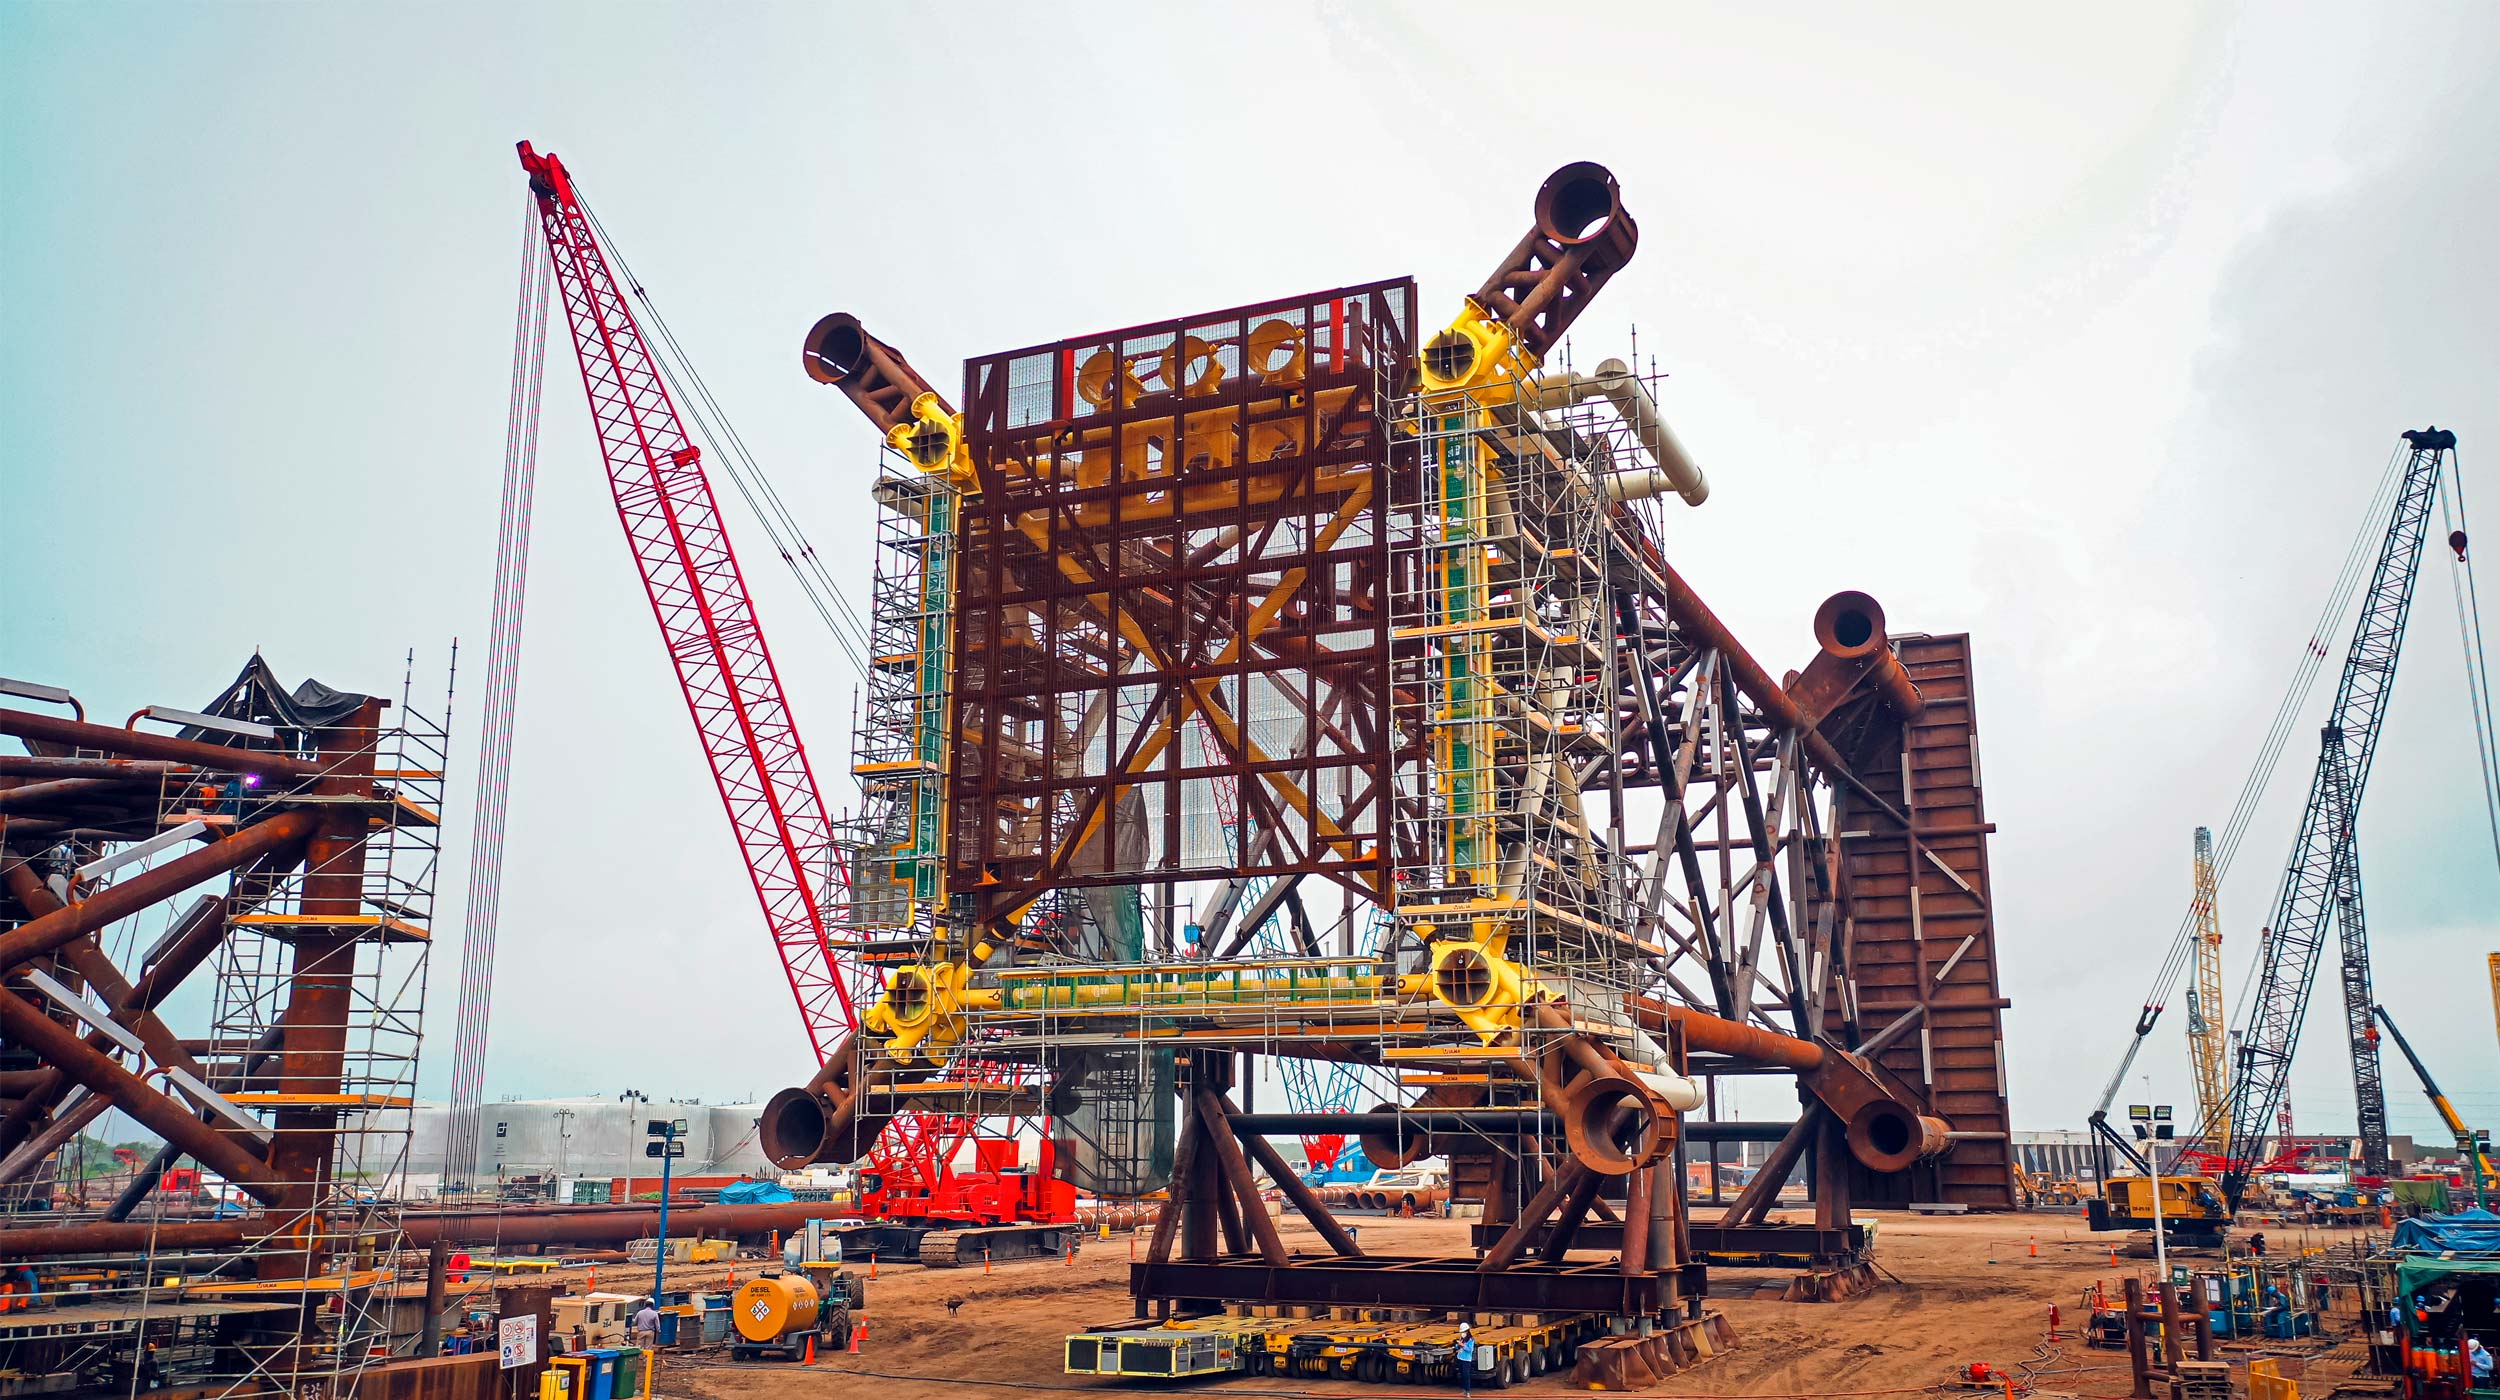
506,1226
124,898
62,790
163,1237
137,744
822,1120
611,1227
28,766
870,373
1719,1036
1850,628
1582,236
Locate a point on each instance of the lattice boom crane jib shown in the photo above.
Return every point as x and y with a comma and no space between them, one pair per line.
750,737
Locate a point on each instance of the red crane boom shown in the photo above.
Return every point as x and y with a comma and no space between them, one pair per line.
706,618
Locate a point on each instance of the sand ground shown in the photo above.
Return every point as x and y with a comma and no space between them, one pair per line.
1962,1289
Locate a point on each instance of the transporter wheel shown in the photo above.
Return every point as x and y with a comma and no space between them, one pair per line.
1519,1368
1367,1368
1496,1379
1537,1362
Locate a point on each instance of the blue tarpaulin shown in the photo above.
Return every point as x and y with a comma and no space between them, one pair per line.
2465,1232
766,1193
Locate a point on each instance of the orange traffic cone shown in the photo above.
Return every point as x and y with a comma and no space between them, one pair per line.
985,1261
809,1357
2035,1246
859,1334
872,1261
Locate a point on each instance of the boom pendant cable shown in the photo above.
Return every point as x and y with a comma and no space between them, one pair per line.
503,679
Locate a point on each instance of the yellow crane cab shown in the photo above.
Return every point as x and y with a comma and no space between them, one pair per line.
2192,1211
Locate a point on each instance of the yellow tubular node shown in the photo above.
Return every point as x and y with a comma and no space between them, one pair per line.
934,440
923,1009
1474,978
1475,352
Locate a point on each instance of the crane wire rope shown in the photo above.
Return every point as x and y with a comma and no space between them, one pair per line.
2470,634
2314,652
695,399
503,677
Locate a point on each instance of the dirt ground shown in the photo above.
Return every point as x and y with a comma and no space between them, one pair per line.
1963,1289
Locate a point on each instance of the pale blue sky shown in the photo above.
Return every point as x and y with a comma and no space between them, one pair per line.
2085,334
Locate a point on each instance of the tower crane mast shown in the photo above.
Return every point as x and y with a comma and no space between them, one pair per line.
2322,879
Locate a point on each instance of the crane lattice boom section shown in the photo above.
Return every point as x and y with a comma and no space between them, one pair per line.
2322,880
2208,1027
706,618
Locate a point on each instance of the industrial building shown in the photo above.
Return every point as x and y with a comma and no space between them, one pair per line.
586,1138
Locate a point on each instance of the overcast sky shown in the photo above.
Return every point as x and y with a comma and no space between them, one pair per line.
2086,332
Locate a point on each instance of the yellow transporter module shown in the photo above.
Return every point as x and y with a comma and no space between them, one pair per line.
1374,1351
1198,1346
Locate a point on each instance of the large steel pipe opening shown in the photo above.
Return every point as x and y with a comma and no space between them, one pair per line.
1613,1123
819,1121
1582,236
1578,204
840,352
1889,1137
1850,627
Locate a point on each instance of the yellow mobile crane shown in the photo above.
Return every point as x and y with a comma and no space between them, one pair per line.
2470,1155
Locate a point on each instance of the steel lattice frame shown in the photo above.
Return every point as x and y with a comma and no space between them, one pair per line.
1098,610
707,620
2322,880
2207,1025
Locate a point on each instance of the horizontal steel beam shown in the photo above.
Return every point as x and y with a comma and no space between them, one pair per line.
1499,1121
1409,1282
1800,1241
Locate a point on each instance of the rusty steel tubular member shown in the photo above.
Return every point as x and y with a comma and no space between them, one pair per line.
1855,655
841,352
1616,1118
1582,236
821,1120
1885,1133
915,418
